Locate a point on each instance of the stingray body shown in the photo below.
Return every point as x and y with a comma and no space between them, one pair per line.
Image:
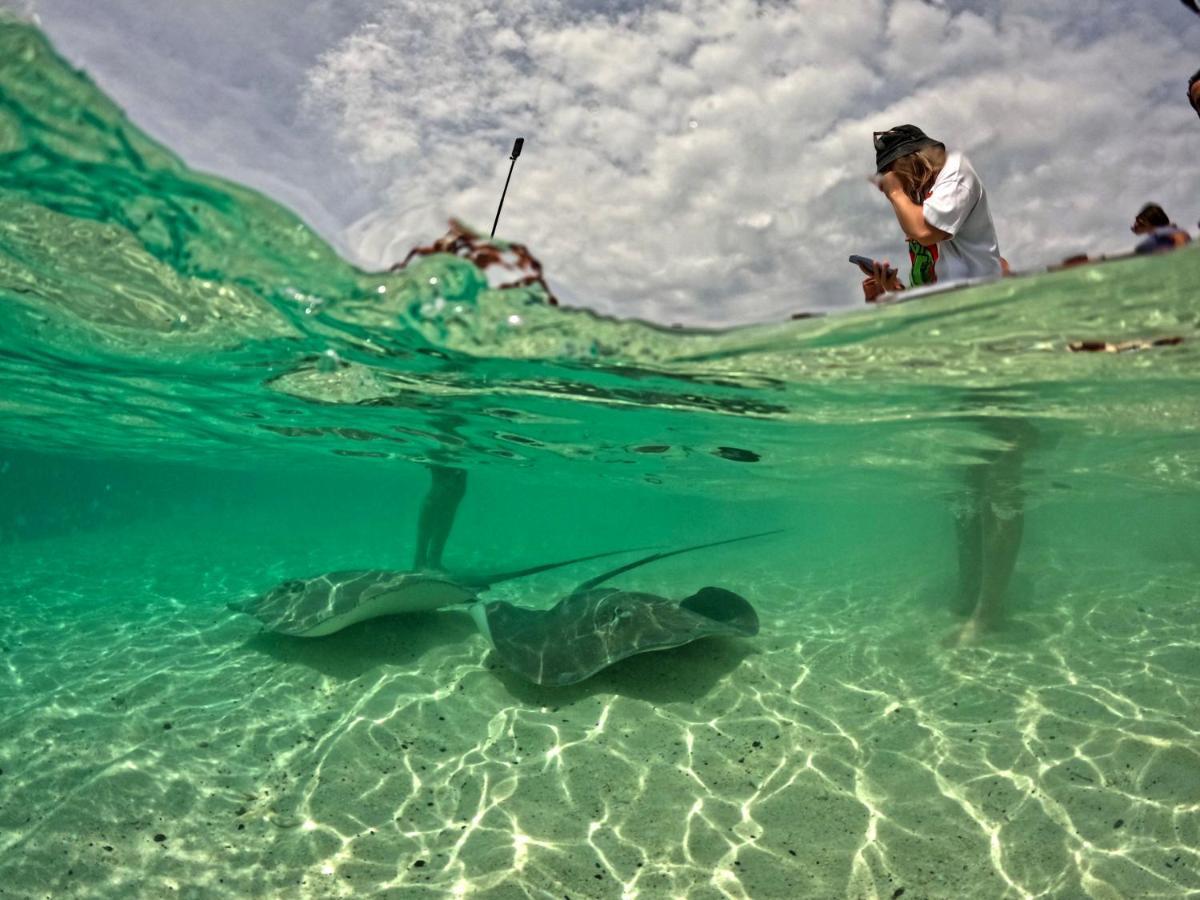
315,607
594,627
591,630
327,603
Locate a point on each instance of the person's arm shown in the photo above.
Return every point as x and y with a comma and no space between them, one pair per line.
910,215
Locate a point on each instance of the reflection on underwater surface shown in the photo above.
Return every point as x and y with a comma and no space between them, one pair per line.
200,400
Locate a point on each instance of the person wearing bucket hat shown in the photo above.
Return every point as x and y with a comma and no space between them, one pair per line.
941,206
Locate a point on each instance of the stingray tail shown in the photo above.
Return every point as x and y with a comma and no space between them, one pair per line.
612,573
483,581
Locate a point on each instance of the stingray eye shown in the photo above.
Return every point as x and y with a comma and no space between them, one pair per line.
292,587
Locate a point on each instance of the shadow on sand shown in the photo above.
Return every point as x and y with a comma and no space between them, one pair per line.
682,674
354,651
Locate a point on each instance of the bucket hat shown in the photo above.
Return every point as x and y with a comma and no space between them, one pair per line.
900,141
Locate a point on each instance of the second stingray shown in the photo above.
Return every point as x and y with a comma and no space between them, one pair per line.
594,627
327,603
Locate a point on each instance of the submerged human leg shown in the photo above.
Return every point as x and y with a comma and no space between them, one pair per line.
1000,503
447,486
968,528
1003,528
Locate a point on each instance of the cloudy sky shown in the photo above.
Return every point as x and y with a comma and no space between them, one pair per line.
699,161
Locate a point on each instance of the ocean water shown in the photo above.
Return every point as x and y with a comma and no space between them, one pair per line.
199,400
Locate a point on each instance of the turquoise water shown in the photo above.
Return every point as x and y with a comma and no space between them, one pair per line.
200,400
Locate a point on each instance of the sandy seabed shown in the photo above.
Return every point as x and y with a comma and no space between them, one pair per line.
153,744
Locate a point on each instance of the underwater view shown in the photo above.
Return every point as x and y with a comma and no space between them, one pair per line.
319,582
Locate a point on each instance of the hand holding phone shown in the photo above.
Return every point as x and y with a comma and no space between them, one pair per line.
869,266
881,278
865,263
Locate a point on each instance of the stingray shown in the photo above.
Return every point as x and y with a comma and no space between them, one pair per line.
594,627
324,604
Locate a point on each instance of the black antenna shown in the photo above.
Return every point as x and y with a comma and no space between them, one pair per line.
516,151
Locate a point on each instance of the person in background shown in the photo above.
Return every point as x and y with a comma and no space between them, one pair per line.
942,208
1160,232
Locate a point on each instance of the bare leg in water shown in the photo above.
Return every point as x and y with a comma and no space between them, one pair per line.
989,530
446,488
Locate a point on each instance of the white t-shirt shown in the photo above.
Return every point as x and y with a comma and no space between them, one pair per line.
957,204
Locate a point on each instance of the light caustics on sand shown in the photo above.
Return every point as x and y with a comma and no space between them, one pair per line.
843,758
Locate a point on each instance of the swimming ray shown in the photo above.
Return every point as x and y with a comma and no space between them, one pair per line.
327,603
594,627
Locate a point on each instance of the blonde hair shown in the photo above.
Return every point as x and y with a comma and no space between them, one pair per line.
918,170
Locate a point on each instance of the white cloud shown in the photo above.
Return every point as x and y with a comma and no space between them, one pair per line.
697,160
706,162
220,83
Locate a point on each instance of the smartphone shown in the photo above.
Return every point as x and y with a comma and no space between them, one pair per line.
863,262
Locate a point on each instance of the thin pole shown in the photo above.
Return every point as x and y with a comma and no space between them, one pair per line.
516,151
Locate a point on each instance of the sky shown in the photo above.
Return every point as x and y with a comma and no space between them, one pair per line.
694,161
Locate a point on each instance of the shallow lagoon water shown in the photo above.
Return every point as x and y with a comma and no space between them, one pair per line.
201,400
